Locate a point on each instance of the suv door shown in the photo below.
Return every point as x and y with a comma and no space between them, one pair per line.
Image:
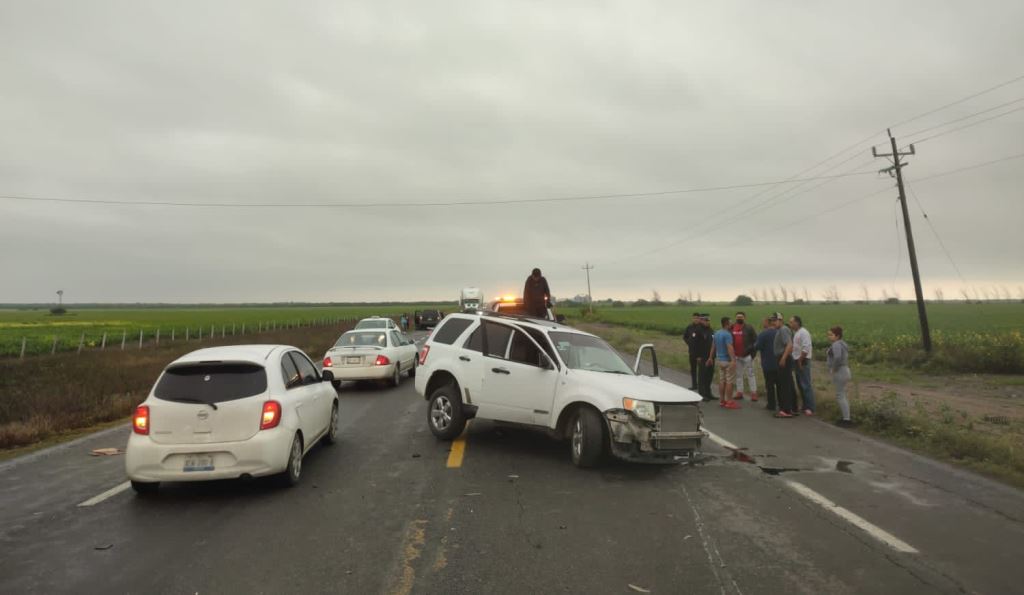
524,383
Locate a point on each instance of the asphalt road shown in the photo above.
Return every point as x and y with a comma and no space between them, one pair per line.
803,508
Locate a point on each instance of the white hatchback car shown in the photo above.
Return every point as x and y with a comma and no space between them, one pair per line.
572,384
229,412
371,355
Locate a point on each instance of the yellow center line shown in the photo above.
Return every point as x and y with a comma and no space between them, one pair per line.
458,450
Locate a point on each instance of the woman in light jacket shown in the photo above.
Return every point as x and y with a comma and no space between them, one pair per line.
839,367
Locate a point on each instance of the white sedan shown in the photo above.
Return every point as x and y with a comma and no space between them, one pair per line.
372,355
230,412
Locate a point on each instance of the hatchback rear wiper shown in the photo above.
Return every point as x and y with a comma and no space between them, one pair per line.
188,400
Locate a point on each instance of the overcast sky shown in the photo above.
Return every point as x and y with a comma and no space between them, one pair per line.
378,102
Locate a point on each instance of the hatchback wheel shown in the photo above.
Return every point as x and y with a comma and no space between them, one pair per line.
444,413
415,364
396,378
588,438
293,472
332,431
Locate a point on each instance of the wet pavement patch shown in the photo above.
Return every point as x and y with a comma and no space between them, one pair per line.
844,466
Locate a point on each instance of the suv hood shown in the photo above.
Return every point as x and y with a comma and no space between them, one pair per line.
645,388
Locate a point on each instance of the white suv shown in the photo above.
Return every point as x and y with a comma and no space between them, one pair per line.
542,374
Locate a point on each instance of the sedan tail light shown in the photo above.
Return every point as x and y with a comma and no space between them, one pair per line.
382,361
140,421
423,354
271,415
327,362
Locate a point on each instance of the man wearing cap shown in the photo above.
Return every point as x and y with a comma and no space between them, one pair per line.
783,349
744,338
696,356
703,345
536,295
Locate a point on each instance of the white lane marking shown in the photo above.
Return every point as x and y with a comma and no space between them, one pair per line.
719,440
873,530
107,494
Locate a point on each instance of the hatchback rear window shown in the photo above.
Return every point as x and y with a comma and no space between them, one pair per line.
211,383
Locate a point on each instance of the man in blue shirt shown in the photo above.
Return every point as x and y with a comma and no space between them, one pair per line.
724,358
765,347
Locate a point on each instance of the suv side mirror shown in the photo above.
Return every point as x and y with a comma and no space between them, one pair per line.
639,358
327,376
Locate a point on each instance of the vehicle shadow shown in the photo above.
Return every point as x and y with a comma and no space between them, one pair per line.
535,447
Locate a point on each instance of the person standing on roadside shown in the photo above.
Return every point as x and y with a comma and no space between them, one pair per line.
802,362
765,346
744,338
703,343
724,357
696,357
782,347
838,363
536,295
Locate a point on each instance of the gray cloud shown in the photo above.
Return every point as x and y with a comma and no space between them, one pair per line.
335,102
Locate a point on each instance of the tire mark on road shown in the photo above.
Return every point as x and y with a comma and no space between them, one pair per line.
715,560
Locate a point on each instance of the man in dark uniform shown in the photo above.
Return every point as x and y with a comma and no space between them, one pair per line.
689,337
536,295
705,339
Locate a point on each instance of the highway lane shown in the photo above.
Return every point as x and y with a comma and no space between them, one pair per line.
382,512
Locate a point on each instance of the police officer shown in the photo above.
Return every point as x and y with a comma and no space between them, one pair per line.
690,337
705,339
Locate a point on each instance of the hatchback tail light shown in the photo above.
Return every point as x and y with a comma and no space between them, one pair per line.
423,354
327,362
140,421
382,361
271,415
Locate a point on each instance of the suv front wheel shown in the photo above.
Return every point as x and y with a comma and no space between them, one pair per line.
444,413
587,438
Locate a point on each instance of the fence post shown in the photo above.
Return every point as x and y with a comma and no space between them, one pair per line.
158,337
232,329
124,338
54,348
81,344
172,335
186,333
22,356
140,338
213,331
222,334
103,343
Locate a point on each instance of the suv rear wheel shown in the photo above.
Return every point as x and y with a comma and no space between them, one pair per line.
587,438
444,413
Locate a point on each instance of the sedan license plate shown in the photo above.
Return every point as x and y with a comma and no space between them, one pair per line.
353,360
198,463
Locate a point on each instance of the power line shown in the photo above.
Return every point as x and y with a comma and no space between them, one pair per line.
970,167
962,118
958,101
969,125
935,232
161,203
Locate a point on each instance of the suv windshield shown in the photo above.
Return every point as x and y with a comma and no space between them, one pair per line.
375,323
583,352
362,339
211,383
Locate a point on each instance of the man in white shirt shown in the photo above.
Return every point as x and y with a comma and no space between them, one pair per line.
802,360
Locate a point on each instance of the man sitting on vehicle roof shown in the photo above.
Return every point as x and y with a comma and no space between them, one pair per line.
536,295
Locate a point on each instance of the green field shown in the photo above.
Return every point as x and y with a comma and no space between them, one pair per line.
39,327
967,337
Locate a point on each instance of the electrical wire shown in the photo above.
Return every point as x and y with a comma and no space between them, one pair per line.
962,118
935,232
355,205
959,101
969,125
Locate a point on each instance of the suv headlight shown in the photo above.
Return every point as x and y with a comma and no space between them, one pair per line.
642,409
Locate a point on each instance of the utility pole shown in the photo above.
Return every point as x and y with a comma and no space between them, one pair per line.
896,171
590,297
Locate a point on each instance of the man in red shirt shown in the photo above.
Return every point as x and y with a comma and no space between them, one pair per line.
744,338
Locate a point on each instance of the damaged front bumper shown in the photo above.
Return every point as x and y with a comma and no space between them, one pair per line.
634,439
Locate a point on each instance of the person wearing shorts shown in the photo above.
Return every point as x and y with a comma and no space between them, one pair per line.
724,358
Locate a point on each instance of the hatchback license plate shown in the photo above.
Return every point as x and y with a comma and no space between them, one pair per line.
198,463
353,360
